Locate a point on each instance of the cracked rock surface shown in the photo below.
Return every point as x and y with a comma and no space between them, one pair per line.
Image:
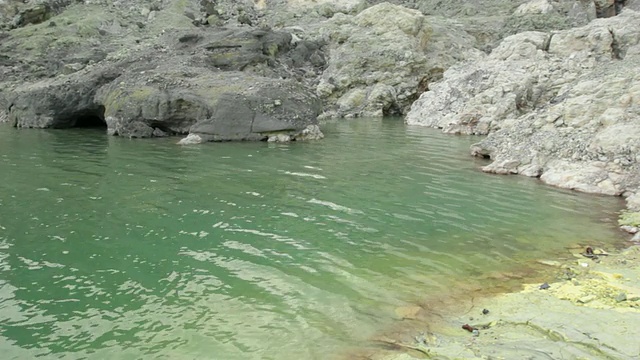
563,106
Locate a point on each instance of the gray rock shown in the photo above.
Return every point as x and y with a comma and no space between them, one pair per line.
311,132
380,56
216,106
256,117
158,133
131,129
558,106
232,115
19,13
58,103
192,139
175,83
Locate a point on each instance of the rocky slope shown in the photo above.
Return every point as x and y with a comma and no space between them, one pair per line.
563,106
587,310
383,55
156,67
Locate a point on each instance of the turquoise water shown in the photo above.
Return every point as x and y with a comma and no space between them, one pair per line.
113,248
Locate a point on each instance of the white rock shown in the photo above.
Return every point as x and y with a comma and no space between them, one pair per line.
191,139
534,7
568,115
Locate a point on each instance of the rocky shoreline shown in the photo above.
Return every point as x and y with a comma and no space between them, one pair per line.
553,84
562,106
588,309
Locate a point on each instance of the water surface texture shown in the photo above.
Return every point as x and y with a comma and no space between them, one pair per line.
113,248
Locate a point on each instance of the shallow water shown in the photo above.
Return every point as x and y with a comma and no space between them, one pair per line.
123,249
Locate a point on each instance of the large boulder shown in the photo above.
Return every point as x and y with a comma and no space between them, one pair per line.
19,13
167,98
563,106
474,97
216,106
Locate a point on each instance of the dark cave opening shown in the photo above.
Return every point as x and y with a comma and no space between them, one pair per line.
93,118
609,9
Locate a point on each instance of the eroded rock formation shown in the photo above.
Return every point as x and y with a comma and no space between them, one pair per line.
147,75
563,106
553,83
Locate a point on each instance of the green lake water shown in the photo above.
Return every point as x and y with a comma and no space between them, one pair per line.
113,248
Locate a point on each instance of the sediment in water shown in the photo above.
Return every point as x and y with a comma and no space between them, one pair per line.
590,310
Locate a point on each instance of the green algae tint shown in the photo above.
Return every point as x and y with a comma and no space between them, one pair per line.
121,249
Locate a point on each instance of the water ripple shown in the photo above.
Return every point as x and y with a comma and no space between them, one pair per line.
143,249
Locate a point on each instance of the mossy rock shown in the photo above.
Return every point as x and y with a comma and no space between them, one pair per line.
118,99
45,50
171,19
629,218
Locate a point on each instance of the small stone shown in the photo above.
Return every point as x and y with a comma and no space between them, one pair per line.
468,327
485,311
599,252
544,286
475,332
587,299
621,297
